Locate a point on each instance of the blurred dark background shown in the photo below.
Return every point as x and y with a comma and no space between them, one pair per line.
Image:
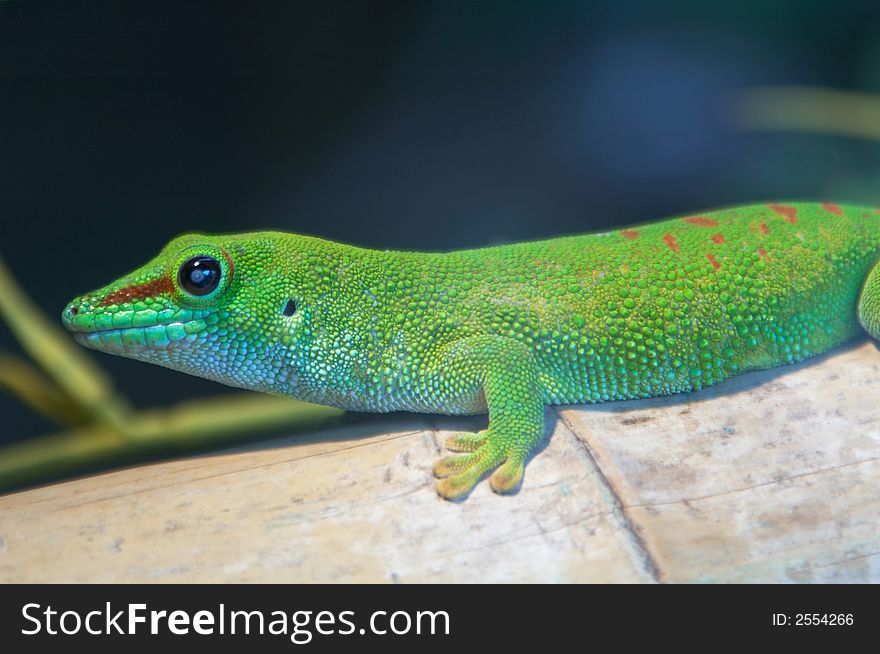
420,124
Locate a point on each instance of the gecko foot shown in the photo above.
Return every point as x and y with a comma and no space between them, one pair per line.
486,452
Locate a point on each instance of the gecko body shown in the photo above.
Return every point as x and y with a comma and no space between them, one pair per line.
650,310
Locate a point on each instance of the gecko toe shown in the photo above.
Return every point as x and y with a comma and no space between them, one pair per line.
508,477
452,465
462,472
465,441
457,486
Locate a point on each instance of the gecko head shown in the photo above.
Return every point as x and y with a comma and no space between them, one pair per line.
211,306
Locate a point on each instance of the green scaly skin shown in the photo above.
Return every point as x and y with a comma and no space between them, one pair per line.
662,308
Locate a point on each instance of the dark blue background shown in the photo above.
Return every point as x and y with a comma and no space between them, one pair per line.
422,124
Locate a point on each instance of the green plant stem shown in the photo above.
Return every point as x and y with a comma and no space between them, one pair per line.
187,427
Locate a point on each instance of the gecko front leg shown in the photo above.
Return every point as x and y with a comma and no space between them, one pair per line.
500,374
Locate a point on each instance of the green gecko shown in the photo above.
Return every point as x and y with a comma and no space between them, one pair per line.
661,308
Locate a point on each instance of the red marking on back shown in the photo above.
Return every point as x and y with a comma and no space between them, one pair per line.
718,238
629,233
702,221
713,261
789,213
877,211
763,228
669,239
763,254
138,291
832,208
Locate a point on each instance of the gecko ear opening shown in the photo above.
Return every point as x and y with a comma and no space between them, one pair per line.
289,308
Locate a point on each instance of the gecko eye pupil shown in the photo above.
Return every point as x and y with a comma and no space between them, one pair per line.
199,275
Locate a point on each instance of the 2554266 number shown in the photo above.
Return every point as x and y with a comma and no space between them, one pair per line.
827,619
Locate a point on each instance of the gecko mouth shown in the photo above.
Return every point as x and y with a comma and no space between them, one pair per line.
128,330
125,339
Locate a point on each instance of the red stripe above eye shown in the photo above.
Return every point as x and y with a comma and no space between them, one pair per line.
141,291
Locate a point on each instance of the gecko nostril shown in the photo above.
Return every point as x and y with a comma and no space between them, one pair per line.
71,311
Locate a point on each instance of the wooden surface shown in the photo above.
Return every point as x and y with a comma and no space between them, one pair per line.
772,476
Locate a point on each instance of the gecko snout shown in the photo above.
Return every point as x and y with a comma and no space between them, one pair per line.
71,311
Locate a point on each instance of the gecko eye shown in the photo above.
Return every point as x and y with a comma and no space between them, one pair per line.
199,275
